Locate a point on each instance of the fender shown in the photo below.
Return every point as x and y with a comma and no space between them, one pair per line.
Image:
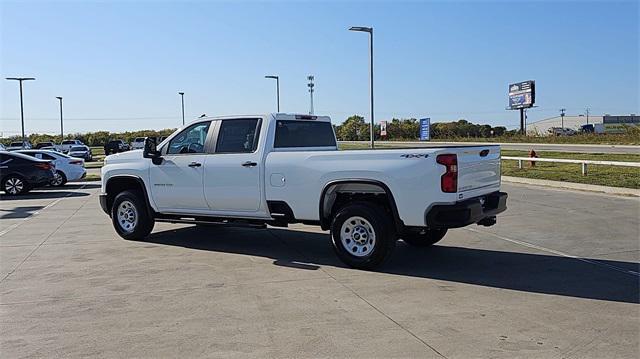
325,222
139,181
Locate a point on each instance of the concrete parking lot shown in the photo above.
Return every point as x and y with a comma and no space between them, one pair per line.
556,278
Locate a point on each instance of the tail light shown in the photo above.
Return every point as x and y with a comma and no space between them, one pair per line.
44,166
449,180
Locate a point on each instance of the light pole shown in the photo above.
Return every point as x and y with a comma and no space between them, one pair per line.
562,110
310,85
20,79
61,126
587,112
370,31
277,88
182,99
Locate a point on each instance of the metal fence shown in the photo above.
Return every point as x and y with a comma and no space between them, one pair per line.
583,163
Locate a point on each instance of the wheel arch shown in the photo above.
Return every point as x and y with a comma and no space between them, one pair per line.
119,183
365,187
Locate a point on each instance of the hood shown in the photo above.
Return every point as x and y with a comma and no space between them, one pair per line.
128,156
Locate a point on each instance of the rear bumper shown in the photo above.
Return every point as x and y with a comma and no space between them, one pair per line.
479,209
103,203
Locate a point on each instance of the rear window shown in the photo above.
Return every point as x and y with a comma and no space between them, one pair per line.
304,134
68,142
78,148
15,144
139,139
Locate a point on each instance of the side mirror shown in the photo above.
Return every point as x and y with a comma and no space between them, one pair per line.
150,150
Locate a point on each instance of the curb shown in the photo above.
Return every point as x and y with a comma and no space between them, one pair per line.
574,186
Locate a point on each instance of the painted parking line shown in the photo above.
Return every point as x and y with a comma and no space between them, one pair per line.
553,251
23,220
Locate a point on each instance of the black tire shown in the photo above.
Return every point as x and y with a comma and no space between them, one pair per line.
14,185
62,182
359,255
425,237
144,222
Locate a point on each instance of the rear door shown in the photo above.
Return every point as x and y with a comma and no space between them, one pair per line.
177,182
478,167
232,172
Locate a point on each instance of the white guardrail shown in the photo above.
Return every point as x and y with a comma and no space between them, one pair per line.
584,163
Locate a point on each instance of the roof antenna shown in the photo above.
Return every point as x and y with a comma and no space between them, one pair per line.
203,115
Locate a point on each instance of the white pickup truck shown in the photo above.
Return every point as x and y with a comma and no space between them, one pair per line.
280,168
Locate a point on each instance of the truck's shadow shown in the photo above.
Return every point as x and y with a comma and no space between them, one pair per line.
536,273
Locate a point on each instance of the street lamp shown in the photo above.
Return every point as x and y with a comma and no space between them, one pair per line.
61,127
370,31
277,87
182,97
562,110
310,85
20,79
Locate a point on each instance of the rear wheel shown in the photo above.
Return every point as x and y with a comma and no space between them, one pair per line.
59,179
14,185
363,235
130,216
424,237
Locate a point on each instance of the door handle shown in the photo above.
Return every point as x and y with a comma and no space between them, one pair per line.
195,164
249,164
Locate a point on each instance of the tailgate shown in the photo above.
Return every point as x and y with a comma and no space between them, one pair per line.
478,167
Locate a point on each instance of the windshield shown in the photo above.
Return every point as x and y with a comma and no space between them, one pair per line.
15,144
78,148
68,142
139,139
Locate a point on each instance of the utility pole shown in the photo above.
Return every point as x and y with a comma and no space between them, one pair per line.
310,85
562,110
370,31
587,112
21,79
61,126
182,98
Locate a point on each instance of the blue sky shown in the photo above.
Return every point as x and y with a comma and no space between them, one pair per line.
119,65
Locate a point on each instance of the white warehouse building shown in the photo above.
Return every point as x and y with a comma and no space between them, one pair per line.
541,128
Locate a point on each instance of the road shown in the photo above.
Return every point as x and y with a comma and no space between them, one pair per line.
621,149
557,277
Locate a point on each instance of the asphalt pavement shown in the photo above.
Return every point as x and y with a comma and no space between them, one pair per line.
557,277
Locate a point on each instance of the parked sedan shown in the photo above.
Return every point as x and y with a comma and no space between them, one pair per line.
20,173
67,168
81,152
14,146
138,143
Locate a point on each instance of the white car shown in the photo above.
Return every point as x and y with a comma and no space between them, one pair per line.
14,146
81,151
66,145
138,143
284,168
67,168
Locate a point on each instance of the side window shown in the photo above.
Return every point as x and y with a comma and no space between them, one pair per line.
191,140
47,157
238,136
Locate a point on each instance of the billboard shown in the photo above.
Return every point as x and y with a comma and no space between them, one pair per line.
425,134
522,95
383,128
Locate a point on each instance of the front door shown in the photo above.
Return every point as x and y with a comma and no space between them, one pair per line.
177,183
232,173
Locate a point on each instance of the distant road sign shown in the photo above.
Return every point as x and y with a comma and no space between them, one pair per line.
383,128
522,94
425,133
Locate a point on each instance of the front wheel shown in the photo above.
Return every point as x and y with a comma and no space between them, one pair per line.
425,237
363,236
130,216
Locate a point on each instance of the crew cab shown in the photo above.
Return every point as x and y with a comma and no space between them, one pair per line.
278,169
